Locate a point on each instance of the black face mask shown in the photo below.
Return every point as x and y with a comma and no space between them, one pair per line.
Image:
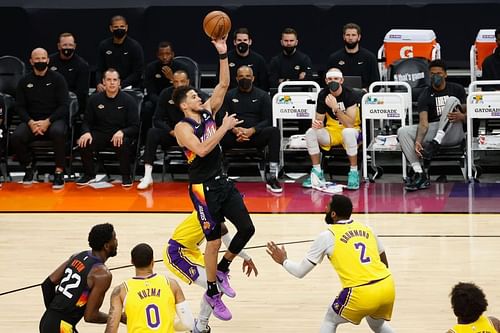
436,80
242,47
328,218
245,83
333,86
350,46
40,66
288,49
68,52
119,33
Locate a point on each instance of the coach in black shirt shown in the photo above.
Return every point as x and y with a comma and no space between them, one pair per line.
290,64
253,106
42,104
354,60
111,121
73,67
121,53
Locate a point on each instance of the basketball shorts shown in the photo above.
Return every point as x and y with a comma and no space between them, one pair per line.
375,300
51,323
183,262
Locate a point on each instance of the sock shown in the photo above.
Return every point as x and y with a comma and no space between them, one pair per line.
148,169
417,167
223,265
317,167
354,168
205,312
212,289
439,136
273,169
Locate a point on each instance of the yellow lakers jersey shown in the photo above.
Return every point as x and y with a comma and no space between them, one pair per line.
482,325
336,126
149,305
189,232
355,255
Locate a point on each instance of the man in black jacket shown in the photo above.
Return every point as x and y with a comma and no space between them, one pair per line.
42,104
111,121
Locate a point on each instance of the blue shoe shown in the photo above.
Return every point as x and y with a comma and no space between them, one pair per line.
353,180
315,179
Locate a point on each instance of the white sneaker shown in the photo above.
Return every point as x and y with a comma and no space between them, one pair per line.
145,183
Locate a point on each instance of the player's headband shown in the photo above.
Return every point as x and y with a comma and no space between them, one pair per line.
334,74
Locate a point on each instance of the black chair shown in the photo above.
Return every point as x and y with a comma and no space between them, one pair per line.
414,71
243,157
12,69
192,70
172,156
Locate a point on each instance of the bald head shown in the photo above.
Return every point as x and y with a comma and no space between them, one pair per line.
39,60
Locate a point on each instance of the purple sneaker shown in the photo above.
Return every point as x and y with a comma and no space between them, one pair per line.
219,308
223,283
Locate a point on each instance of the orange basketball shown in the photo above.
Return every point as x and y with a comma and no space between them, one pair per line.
216,24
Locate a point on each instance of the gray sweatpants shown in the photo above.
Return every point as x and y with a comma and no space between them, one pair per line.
454,134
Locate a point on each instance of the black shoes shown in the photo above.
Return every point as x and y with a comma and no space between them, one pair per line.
430,150
273,185
28,176
85,180
420,181
126,181
58,182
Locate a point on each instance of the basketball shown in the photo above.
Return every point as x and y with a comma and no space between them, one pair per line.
216,24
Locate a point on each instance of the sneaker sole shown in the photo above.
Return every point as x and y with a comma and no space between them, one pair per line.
274,190
87,183
57,187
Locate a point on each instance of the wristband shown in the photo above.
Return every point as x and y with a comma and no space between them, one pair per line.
223,56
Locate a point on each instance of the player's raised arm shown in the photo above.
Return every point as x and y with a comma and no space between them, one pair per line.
214,103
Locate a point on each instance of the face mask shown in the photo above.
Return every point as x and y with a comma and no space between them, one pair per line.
436,80
68,52
350,46
333,86
242,47
119,33
288,49
245,84
328,218
41,66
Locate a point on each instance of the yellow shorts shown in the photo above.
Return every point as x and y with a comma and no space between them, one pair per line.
336,138
183,262
375,300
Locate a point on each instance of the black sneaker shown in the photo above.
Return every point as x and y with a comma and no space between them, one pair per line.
430,150
420,182
85,180
126,181
28,176
58,182
273,185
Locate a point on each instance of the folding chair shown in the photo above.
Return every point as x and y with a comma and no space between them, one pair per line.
192,69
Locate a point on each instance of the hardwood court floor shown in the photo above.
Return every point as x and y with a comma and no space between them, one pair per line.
428,254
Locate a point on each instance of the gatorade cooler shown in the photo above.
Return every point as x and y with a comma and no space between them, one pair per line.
485,45
399,44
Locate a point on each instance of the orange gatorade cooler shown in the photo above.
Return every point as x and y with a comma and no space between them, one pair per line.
485,45
399,44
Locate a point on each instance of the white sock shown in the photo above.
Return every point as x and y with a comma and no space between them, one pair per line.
317,167
439,136
354,168
417,167
205,312
273,169
148,170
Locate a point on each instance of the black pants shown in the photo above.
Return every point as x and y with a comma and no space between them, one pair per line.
216,199
100,142
23,136
156,136
268,136
52,322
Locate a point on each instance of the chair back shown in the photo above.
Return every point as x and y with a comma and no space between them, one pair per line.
12,69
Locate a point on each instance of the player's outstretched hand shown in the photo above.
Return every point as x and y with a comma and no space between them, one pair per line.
220,44
278,254
249,266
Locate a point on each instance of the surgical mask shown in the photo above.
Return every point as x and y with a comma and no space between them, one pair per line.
288,49
245,83
119,33
40,66
242,47
436,80
350,46
333,86
68,52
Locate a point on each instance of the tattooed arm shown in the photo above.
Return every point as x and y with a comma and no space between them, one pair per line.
115,310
